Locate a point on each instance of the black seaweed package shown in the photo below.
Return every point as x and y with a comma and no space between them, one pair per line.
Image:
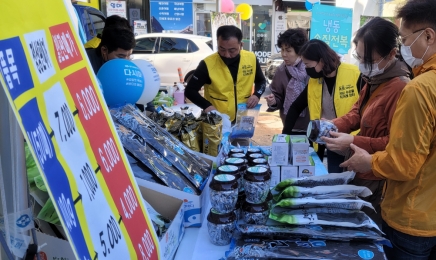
156,138
311,231
154,161
141,171
299,248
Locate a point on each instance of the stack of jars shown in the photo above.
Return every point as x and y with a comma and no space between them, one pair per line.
239,190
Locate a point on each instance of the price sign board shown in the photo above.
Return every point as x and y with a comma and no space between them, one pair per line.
52,90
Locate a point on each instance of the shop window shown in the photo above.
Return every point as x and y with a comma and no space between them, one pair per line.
173,45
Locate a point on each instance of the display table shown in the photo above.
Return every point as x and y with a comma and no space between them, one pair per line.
196,244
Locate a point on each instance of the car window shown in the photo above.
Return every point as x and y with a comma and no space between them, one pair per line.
145,45
88,23
209,43
192,47
98,22
173,45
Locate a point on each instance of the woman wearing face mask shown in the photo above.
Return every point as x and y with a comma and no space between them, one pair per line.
290,78
331,92
376,47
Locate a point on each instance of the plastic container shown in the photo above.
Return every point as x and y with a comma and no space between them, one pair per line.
232,170
319,128
255,213
256,184
235,150
179,97
223,193
221,227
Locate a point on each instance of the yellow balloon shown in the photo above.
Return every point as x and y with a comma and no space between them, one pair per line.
246,11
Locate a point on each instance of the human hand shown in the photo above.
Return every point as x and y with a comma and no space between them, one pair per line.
252,101
339,142
271,100
209,108
359,162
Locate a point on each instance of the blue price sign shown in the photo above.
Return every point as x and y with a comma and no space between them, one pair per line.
333,25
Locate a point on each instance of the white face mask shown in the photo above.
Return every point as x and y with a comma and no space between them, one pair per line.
375,70
406,52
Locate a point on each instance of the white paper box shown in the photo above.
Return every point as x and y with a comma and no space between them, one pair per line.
280,149
299,150
275,175
170,208
306,170
288,172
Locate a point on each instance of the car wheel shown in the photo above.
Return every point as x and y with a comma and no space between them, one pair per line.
188,76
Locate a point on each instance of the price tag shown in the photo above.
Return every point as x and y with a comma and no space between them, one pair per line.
105,233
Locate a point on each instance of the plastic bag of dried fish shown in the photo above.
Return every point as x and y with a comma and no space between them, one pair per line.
156,138
154,161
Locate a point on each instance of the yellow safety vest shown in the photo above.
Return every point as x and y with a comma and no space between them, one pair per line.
345,93
222,93
93,43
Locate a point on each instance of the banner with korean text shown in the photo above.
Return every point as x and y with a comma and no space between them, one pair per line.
333,25
55,96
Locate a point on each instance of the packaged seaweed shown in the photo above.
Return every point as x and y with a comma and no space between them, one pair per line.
323,216
212,133
323,191
162,142
323,180
297,248
311,202
154,161
141,171
285,231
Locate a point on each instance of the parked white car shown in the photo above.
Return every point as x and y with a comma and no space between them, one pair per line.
169,51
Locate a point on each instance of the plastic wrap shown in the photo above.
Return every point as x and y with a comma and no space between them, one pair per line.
278,231
156,138
324,191
148,156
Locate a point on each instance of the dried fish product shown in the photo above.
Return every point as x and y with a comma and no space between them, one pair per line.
256,184
220,227
223,193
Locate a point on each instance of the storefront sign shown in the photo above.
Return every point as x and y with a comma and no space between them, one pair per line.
262,56
139,27
333,25
116,8
172,16
55,96
134,14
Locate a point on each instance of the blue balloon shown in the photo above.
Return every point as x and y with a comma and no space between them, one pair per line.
122,82
309,5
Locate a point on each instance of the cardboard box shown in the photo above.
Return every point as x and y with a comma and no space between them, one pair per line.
193,206
280,149
288,172
170,208
307,170
275,175
299,150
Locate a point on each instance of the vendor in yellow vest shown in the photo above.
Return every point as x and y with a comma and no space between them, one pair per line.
227,76
332,90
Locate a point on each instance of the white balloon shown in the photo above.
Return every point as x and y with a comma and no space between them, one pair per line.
313,1
152,81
